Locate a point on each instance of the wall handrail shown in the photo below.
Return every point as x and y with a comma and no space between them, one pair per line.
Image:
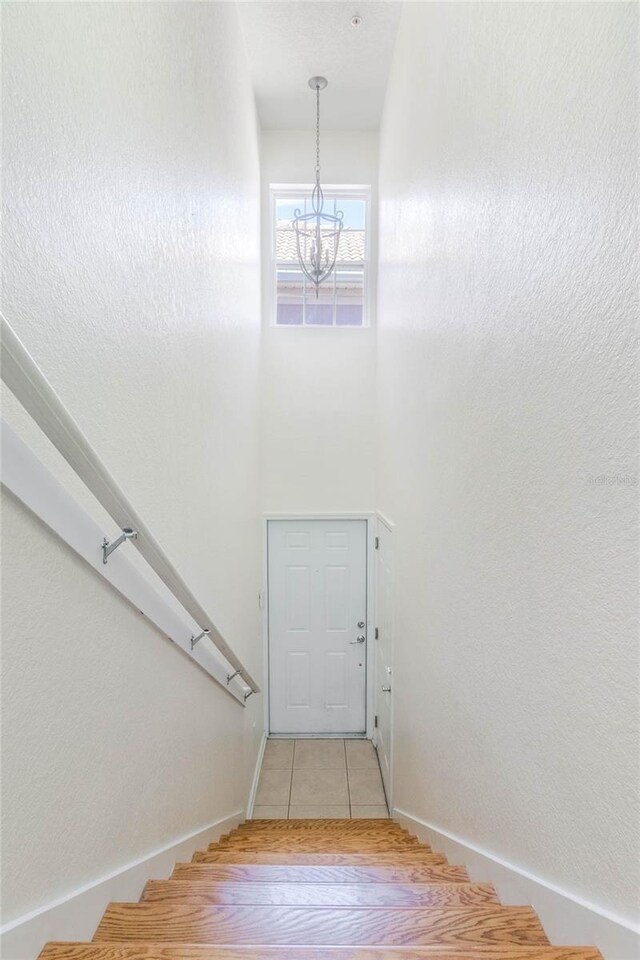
26,381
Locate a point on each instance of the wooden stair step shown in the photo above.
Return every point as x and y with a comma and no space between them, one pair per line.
348,826
397,858
322,894
319,844
295,839
352,835
291,873
320,926
189,951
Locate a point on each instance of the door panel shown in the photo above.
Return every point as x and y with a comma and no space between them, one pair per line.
336,602
298,685
317,573
298,598
384,652
336,679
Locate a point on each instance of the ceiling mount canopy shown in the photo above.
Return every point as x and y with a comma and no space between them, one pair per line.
318,83
317,232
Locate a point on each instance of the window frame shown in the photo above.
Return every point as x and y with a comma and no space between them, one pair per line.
291,191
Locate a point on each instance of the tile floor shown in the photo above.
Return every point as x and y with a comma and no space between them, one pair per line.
320,779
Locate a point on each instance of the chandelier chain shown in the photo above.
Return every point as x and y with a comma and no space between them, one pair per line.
318,133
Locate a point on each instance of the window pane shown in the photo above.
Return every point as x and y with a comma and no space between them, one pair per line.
290,283
349,315
290,295
286,208
318,309
349,296
286,246
349,284
353,211
289,314
319,314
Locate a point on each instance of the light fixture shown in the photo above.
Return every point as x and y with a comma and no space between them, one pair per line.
317,232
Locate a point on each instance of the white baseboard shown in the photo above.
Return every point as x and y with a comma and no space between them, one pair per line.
76,916
567,919
256,777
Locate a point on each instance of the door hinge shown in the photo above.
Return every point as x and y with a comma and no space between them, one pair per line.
375,721
376,633
377,543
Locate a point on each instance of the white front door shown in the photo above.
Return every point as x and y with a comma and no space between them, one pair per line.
384,653
317,626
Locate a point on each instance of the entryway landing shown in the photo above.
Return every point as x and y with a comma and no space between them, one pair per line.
303,779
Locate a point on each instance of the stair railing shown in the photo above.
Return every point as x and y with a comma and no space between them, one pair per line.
31,388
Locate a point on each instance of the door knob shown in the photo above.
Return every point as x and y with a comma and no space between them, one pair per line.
386,689
360,624
360,639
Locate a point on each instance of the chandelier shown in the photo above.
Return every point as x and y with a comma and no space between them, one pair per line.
317,232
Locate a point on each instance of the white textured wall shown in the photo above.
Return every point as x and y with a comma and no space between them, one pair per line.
506,370
318,384
131,231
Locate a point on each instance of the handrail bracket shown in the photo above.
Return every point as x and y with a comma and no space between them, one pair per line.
108,548
197,639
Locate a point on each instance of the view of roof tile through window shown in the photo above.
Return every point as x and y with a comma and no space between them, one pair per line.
351,249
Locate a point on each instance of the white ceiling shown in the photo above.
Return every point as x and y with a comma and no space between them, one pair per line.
288,42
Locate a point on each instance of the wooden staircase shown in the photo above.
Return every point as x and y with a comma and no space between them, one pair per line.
318,890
